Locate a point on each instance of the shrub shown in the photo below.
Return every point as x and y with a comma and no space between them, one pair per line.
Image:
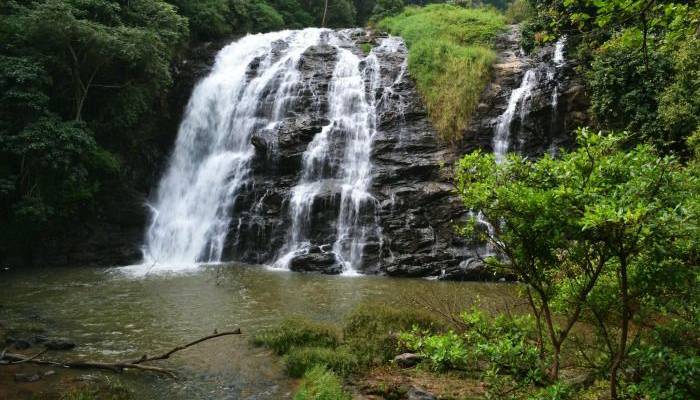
299,360
321,384
444,351
504,344
297,332
104,389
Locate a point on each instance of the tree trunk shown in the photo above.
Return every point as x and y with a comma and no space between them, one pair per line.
624,328
325,11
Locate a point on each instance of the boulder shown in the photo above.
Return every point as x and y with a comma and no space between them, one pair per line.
27,378
416,393
325,263
407,360
59,344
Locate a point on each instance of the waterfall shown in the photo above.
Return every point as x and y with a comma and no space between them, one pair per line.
559,61
337,160
517,101
253,89
211,160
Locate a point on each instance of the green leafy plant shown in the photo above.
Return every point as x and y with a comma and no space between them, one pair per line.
321,384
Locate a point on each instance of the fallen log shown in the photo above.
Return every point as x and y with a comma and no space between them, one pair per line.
119,366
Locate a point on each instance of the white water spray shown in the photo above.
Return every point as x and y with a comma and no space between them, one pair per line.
211,160
518,99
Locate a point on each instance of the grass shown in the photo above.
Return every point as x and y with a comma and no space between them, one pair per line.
372,330
450,58
369,337
321,384
103,389
296,332
302,359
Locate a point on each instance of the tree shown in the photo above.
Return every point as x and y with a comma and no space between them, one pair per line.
562,224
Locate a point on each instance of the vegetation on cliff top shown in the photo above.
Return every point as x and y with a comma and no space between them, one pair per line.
450,57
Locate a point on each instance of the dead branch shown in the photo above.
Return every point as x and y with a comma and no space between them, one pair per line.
119,366
114,367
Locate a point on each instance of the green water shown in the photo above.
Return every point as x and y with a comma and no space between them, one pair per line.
112,317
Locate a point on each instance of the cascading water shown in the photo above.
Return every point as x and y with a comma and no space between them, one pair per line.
251,91
558,61
338,160
517,100
211,160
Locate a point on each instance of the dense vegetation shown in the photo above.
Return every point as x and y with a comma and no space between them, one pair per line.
450,58
605,237
641,60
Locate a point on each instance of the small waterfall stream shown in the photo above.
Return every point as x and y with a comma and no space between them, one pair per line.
518,102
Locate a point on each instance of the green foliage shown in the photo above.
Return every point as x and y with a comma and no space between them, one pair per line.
640,61
297,332
207,18
450,58
519,11
71,69
620,84
103,389
321,384
664,373
444,351
679,101
386,8
299,360
501,344
265,18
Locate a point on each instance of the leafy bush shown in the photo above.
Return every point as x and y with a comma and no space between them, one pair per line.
450,58
661,372
503,343
297,332
624,92
104,389
302,359
386,8
444,351
321,384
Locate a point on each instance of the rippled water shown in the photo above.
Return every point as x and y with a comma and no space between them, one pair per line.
112,316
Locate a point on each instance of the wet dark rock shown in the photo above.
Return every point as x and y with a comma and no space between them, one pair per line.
40,338
59,344
325,263
547,125
21,344
407,360
27,378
